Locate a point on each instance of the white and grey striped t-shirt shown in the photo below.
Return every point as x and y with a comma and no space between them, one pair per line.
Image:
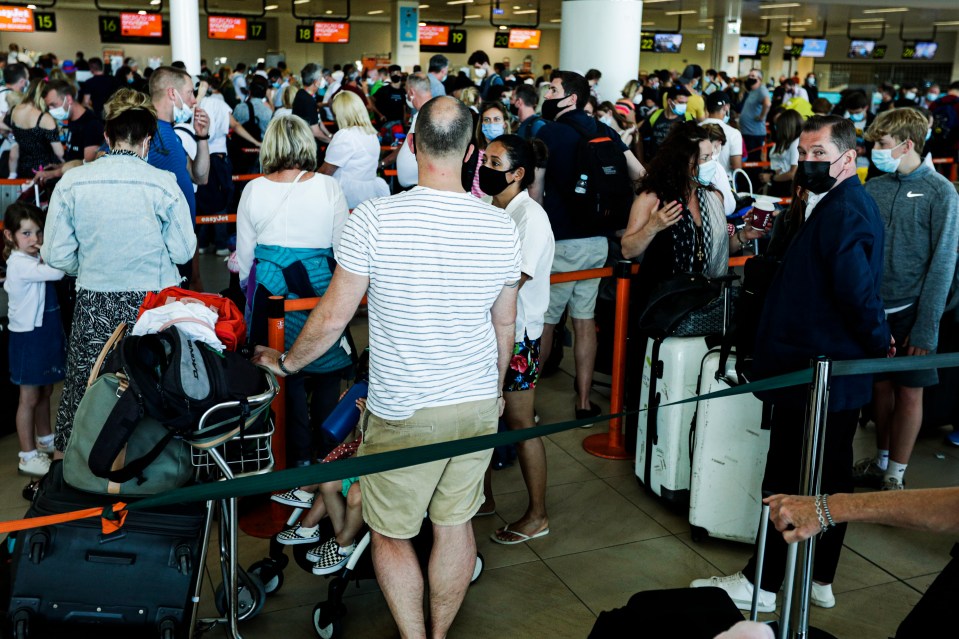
436,261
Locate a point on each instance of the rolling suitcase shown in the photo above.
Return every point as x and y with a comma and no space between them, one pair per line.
139,580
671,373
729,457
9,392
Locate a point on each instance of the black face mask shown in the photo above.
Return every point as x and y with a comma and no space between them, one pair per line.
491,181
396,79
751,83
814,176
514,110
551,108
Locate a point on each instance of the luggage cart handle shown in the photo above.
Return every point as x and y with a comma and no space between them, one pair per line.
254,401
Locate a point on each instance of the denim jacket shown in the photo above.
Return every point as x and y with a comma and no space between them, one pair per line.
119,224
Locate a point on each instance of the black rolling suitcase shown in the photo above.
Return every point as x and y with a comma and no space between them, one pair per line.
139,581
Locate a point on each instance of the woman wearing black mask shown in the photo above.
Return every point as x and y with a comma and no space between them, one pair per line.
508,168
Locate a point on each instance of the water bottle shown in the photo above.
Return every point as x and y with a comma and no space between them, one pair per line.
346,415
580,188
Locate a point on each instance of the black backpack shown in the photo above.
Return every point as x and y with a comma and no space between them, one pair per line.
603,205
174,380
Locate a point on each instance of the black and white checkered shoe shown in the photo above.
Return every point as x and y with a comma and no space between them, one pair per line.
297,535
330,557
296,498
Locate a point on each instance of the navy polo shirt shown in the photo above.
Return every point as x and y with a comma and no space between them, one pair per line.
166,153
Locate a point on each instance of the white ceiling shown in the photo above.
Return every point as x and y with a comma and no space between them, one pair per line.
807,19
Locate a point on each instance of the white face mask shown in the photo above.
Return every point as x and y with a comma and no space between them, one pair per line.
409,102
481,73
62,112
638,98
707,171
181,113
607,120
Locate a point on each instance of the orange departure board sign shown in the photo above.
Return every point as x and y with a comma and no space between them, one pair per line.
331,32
136,25
226,28
16,19
434,35
524,38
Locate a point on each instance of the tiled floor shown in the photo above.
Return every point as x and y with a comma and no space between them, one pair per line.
608,540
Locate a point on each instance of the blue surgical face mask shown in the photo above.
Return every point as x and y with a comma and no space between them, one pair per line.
181,113
928,134
707,171
276,85
910,95
726,119
493,130
856,117
679,108
884,161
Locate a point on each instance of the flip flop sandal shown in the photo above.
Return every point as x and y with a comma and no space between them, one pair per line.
522,538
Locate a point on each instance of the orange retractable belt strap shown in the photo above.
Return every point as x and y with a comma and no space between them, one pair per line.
112,519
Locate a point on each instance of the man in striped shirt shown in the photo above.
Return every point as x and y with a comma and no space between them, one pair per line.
441,270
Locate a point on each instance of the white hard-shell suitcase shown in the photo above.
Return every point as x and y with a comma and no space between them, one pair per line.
671,373
729,457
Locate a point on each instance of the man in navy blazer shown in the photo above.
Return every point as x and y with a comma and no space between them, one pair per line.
824,301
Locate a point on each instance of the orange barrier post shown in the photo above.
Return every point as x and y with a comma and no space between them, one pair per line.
612,444
266,517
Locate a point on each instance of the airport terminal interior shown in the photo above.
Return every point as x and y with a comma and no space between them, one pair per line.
609,536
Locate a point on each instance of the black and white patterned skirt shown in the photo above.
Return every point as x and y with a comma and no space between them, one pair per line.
95,318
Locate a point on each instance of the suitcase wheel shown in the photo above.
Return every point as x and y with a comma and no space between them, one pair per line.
38,545
328,620
184,559
269,573
698,534
21,624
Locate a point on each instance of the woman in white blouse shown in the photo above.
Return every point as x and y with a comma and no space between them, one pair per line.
508,168
287,226
354,152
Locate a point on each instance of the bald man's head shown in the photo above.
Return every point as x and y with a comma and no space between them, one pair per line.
444,128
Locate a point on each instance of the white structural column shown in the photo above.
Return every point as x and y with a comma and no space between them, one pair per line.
405,34
726,43
604,35
185,33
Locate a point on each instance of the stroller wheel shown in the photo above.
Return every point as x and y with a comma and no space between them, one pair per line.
269,573
250,597
477,568
327,621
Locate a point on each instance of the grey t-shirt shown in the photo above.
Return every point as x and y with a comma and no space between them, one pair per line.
752,109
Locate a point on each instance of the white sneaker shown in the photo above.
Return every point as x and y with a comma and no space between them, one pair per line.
37,466
295,497
822,595
740,590
47,450
223,252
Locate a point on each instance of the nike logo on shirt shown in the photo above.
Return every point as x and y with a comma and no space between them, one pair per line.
911,194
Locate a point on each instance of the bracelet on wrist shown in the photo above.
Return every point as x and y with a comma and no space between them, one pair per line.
822,513
281,364
201,138
825,509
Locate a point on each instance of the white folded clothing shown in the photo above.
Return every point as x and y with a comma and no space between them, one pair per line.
194,319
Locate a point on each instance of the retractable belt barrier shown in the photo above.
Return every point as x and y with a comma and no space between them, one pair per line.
112,516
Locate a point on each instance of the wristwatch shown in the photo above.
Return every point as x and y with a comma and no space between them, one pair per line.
280,363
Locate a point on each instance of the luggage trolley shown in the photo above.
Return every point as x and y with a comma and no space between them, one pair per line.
227,445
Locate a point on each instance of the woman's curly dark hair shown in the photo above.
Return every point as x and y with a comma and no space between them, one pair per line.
669,174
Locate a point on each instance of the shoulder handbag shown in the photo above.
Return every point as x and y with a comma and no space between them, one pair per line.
172,468
687,305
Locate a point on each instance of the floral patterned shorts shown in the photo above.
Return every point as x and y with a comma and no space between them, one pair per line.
523,370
